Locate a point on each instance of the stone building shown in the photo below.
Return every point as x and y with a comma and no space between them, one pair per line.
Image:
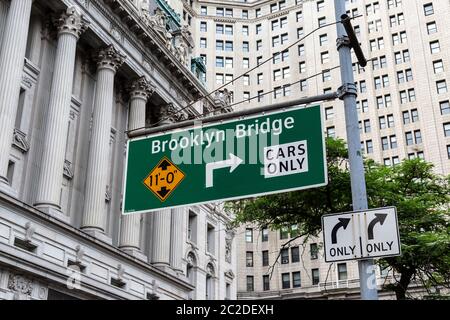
75,76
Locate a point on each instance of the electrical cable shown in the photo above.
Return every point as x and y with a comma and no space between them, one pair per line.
268,92
235,79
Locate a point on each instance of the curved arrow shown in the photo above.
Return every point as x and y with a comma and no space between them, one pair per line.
343,222
379,217
233,163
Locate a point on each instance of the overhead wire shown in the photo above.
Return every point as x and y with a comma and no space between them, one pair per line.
268,92
237,78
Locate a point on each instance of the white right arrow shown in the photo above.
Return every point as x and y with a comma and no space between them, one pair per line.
233,163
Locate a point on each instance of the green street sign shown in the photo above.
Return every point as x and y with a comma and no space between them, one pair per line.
241,158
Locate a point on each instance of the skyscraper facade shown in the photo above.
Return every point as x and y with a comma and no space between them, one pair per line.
403,101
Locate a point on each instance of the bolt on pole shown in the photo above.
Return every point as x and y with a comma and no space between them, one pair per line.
346,40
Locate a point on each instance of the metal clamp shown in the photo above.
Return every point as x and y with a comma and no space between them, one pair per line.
343,41
347,89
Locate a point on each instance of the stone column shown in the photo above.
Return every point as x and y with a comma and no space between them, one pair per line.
70,26
161,221
94,218
176,239
12,55
3,15
130,229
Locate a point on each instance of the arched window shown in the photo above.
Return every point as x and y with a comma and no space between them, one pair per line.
210,288
190,268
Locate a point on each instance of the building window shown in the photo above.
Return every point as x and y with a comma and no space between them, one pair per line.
265,258
296,280
219,62
315,276
245,46
202,42
322,21
303,85
284,256
229,46
229,63
219,45
320,6
326,75
428,9
418,136
384,143
258,45
258,29
323,39
314,250
284,233
286,281
295,254
219,78
245,31
301,50
244,14
247,96
249,259
329,113
441,86
203,26
414,115
342,271
325,57
438,66
246,63
367,127
210,288
249,235
192,227
265,234
445,107
246,80
250,284
260,95
266,283
229,30
447,129
369,146
448,151
409,138
435,47
203,10
431,27
210,239
331,132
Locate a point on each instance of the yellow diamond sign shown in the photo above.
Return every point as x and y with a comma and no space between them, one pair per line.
163,179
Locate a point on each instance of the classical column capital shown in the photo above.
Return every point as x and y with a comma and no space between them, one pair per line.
110,58
141,88
71,21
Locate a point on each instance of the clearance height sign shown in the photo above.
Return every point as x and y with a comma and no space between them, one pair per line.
259,155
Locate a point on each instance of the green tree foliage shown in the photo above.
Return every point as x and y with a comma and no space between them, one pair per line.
421,196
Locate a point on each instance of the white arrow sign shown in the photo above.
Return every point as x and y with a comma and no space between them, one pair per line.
361,235
231,163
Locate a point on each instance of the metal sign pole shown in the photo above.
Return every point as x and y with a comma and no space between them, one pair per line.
358,184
